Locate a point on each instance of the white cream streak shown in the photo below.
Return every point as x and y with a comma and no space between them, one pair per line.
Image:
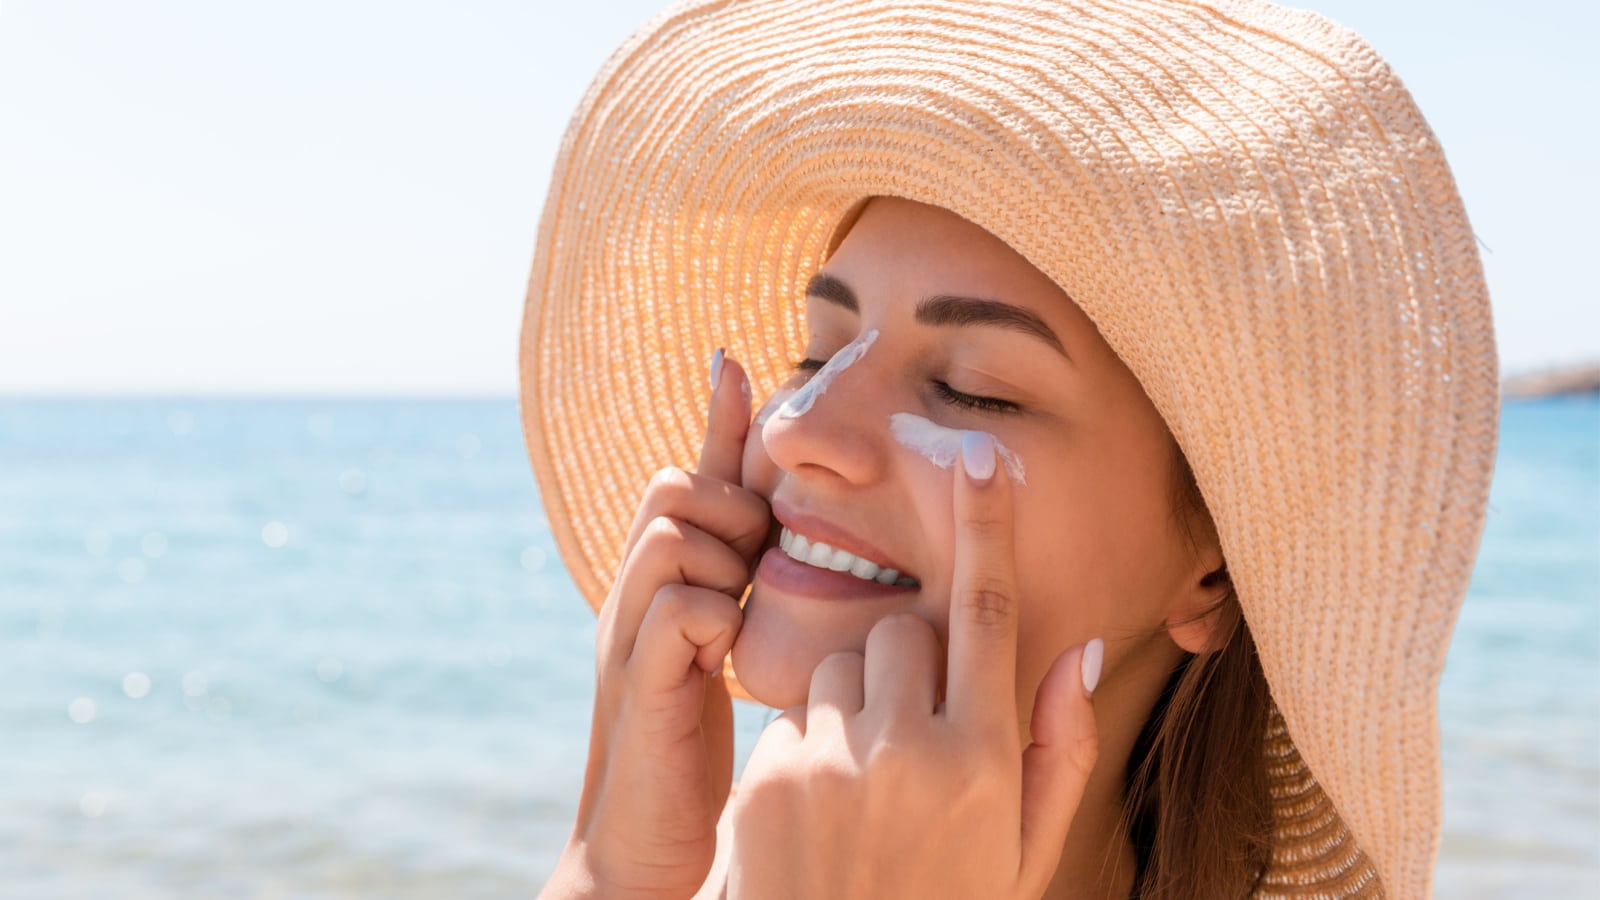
799,404
771,406
942,446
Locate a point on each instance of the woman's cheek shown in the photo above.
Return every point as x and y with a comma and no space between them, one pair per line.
932,491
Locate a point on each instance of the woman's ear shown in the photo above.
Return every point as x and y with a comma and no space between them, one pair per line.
1196,621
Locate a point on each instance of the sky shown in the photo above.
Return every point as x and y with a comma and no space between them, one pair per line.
341,197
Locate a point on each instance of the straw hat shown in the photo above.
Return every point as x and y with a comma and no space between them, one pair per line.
1243,198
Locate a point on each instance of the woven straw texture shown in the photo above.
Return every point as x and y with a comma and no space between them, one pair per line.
1243,198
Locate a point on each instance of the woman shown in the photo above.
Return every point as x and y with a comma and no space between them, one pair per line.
1145,416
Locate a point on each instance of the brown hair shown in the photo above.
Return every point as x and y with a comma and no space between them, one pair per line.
1196,804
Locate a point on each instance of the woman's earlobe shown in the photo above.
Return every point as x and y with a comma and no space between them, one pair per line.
1197,623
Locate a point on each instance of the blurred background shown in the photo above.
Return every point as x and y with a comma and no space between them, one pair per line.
279,611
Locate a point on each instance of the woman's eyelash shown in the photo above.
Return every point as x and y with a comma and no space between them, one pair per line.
946,392
970,401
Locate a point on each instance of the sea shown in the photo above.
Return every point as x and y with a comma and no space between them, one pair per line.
325,647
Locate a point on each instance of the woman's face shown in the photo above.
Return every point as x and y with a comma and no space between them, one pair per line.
969,335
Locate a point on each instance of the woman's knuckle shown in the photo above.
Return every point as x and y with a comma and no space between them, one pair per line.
660,618
840,662
773,791
659,493
662,533
899,746
1085,753
988,602
988,525
836,668
728,570
834,774
669,479
670,600
972,787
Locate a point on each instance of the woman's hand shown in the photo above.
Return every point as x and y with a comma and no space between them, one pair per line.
875,789
661,742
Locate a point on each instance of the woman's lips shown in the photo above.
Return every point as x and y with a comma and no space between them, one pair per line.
778,571
823,556
817,528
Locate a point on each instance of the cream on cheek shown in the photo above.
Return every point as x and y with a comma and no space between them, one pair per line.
942,446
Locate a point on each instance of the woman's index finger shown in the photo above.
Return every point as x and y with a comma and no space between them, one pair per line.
722,452
981,681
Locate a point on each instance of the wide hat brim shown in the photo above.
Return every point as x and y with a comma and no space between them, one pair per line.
1245,201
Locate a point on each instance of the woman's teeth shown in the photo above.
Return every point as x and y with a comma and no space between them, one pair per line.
816,553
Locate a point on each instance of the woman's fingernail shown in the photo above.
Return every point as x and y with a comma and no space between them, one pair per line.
977,455
716,369
1094,653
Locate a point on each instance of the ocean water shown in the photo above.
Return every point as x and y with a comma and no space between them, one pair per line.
325,648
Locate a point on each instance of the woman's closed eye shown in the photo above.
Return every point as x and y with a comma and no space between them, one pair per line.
945,392
973,401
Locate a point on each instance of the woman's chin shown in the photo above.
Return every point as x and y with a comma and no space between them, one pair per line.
774,658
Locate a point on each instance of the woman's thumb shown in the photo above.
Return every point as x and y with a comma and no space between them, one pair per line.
1056,766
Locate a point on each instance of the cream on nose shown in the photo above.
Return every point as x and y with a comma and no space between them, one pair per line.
771,406
800,404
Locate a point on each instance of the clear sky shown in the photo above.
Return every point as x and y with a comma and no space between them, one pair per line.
341,197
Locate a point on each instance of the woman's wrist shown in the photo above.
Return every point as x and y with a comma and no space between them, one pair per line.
578,876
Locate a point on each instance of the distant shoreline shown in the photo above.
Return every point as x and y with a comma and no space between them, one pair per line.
1572,379
1583,378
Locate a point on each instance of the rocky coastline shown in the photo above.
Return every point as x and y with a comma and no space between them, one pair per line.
1583,378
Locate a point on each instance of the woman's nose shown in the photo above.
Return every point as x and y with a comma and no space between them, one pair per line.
830,427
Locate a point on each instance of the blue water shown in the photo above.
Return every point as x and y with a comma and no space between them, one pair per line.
325,647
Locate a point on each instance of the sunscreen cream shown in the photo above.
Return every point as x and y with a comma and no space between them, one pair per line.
800,403
942,446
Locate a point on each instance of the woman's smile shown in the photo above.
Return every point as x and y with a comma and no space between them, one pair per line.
823,555
815,557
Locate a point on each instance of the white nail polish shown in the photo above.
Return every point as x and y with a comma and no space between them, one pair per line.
1093,655
977,455
716,369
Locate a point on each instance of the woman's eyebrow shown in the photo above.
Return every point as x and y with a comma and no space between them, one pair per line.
947,310
826,287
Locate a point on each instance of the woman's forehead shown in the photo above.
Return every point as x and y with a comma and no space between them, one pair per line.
900,250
